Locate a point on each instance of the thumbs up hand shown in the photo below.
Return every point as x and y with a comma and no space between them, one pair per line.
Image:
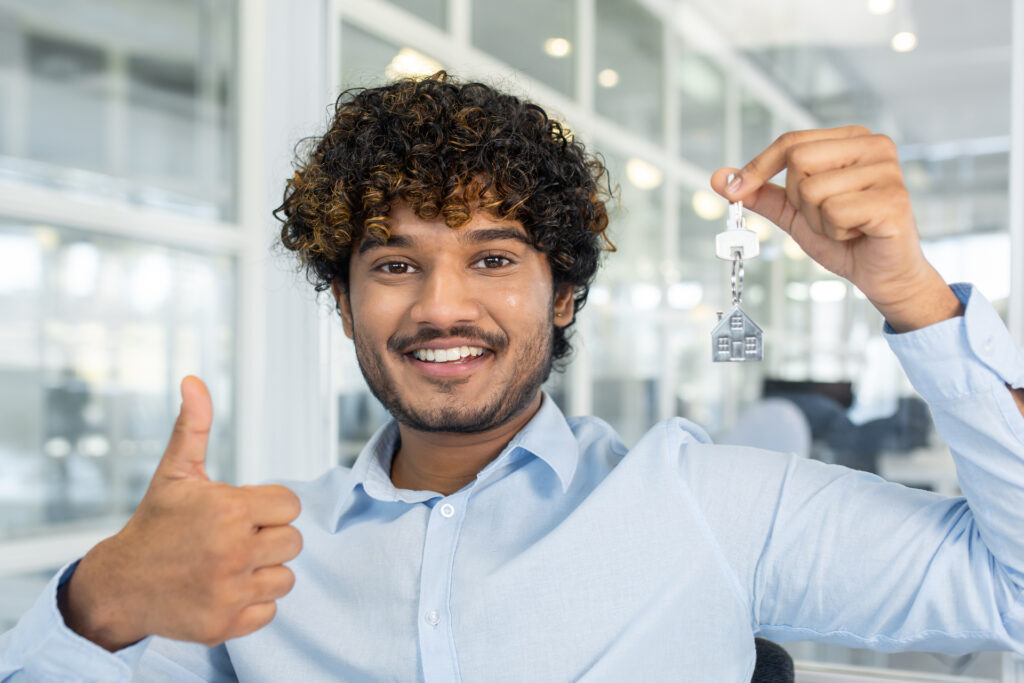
199,560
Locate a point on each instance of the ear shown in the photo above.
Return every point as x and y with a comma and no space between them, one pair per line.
344,307
564,305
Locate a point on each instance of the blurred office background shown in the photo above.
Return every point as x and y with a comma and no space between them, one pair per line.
144,143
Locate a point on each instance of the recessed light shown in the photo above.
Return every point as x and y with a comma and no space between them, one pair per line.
642,174
557,47
708,205
904,41
608,78
881,6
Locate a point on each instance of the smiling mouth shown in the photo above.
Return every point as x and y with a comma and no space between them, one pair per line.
455,354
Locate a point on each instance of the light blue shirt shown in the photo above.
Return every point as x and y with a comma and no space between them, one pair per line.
573,557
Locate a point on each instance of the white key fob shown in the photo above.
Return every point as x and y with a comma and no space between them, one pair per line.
736,237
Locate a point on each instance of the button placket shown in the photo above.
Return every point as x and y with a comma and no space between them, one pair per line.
436,639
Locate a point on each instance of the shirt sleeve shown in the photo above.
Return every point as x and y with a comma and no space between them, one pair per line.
41,648
835,555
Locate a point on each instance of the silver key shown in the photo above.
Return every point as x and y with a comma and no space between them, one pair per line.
736,237
736,338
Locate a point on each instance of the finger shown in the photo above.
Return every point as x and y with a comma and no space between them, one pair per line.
186,451
810,159
270,583
772,160
846,216
812,191
253,618
272,505
274,545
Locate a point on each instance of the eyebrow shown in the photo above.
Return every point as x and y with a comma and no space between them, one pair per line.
470,237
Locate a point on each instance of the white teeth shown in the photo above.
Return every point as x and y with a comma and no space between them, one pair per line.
447,355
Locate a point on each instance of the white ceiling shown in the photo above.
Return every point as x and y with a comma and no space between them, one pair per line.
953,86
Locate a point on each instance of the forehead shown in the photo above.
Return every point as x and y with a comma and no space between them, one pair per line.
407,229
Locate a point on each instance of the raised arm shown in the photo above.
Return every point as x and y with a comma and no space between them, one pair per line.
842,556
846,205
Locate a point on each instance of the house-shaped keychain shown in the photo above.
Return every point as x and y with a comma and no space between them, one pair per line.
736,337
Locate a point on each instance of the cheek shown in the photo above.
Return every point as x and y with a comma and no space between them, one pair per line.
375,310
528,303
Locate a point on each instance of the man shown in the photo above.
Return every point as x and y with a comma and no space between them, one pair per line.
481,536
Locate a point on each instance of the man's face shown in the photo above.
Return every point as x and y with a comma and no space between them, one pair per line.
452,328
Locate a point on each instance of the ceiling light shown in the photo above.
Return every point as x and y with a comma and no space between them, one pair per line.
708,205
904,41
759,225
557,47
409,63
608,78
643,175
828,291
881,6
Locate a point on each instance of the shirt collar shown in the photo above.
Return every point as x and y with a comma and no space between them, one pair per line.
547,436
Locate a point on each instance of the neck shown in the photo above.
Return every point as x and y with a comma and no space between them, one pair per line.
444,461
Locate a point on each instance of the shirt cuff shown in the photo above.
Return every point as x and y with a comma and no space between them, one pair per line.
49,650
962,355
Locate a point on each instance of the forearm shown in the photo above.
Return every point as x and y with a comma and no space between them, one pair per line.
970,371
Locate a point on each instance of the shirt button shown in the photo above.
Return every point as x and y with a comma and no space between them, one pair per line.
987,348
432,617
447,510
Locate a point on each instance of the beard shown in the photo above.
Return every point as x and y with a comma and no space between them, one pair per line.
503,401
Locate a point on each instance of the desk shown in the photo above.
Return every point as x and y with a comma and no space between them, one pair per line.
930,468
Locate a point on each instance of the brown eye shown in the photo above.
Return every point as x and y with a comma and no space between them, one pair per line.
396,268
491,262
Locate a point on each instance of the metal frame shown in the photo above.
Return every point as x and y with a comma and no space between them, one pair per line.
1016,179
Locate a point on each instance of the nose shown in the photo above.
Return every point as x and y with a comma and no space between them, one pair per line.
445,299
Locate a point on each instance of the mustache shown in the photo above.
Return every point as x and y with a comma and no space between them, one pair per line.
492,340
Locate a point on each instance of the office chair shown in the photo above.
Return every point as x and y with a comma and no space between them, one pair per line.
773,665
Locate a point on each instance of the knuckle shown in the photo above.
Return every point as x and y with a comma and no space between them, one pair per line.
809,192
857,130
830,210
885,143
788,139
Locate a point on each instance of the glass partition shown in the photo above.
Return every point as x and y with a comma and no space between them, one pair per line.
701,88
629,67
545,49
129,102
95,335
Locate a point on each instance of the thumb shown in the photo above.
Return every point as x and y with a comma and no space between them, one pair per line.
186,453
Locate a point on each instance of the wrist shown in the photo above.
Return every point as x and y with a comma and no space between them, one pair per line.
91,609
926,300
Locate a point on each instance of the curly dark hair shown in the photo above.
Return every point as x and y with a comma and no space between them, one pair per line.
446,148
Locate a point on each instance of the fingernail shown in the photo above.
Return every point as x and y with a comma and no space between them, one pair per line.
734,181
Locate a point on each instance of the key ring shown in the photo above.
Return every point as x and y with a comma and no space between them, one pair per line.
737,278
